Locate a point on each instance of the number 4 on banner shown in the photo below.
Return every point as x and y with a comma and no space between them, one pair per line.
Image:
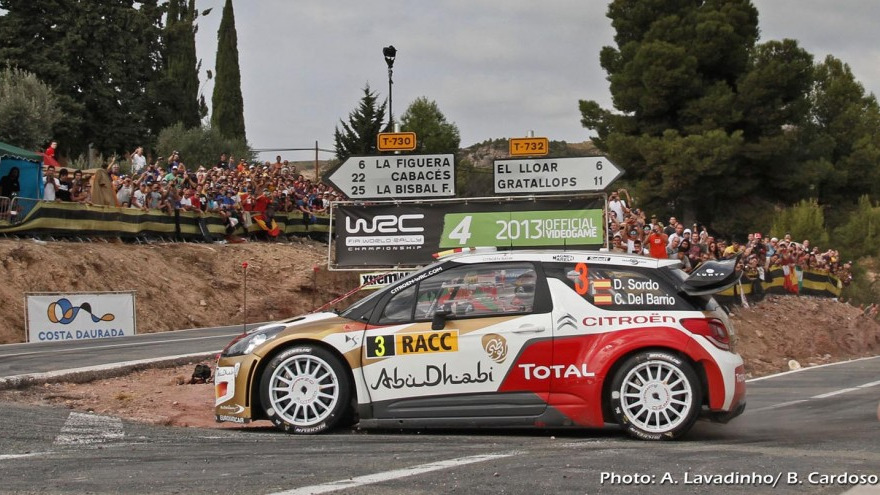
462,231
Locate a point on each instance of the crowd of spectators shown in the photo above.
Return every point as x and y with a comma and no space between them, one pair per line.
243,192
239,191
633,231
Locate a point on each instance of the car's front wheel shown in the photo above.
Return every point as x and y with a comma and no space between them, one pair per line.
305,390
656,395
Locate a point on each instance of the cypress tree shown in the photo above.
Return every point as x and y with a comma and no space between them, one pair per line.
228,105
181,78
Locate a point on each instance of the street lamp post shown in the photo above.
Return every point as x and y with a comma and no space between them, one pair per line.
390,52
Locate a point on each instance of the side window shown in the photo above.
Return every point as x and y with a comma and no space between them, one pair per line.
479,290
615,288
400,307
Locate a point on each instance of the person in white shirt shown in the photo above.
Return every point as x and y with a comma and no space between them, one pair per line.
139,197
138,161
51,184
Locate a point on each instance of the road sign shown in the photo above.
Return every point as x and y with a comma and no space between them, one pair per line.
549,175
396,176
396,141
530,146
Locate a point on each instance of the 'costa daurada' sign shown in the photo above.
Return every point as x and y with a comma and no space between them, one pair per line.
79,316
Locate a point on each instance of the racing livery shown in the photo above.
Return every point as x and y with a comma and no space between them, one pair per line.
502,339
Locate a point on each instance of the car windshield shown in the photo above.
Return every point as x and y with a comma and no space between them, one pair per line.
362,307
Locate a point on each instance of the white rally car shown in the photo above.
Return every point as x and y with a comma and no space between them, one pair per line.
540,339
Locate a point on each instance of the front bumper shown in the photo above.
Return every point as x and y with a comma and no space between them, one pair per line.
232,377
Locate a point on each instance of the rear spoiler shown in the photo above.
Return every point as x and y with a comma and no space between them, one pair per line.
712,277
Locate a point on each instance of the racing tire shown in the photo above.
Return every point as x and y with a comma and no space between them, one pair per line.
656,395
305,390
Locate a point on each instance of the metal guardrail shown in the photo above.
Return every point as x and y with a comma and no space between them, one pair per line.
9,209
14,210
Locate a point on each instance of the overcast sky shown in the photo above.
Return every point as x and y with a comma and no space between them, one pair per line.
496,69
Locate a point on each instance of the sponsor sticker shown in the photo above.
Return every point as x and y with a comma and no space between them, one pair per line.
495,346
224,383
380,346
430,376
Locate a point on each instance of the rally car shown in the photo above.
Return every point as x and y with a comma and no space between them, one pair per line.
541,339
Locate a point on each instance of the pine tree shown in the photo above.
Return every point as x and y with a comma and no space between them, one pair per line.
433,133
358,136
227,101
706,119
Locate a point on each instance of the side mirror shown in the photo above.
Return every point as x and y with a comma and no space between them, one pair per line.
438,322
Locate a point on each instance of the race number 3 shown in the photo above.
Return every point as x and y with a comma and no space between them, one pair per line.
380,346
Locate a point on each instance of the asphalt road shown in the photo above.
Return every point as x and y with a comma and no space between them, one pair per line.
47,357
801,430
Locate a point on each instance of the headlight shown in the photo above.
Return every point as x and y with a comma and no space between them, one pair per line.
247,343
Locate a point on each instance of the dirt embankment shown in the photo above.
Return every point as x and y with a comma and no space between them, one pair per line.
195,285
177,285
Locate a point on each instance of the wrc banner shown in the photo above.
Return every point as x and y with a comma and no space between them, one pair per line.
52,317
408,233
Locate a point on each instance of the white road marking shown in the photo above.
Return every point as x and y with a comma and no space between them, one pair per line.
820,396
809,368
84,429
391,475
4,457
832,394
776,406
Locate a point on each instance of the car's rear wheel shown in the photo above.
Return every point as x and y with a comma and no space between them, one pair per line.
656,395
305,390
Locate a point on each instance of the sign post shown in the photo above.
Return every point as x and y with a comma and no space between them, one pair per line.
396,176
554,175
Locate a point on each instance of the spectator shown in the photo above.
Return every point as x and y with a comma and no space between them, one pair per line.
9,190
102,192
9,184
138,161
678,233
682,257
616,205
139,197
50,151
223,163
50,184
154,197
124,193
617,244
672,248
696,250
638,249
657,242
64,185
670,229
77,192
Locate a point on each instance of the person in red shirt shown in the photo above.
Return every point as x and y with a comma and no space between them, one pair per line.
657,242
50,151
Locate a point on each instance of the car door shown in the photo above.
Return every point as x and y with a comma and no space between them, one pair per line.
446,347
